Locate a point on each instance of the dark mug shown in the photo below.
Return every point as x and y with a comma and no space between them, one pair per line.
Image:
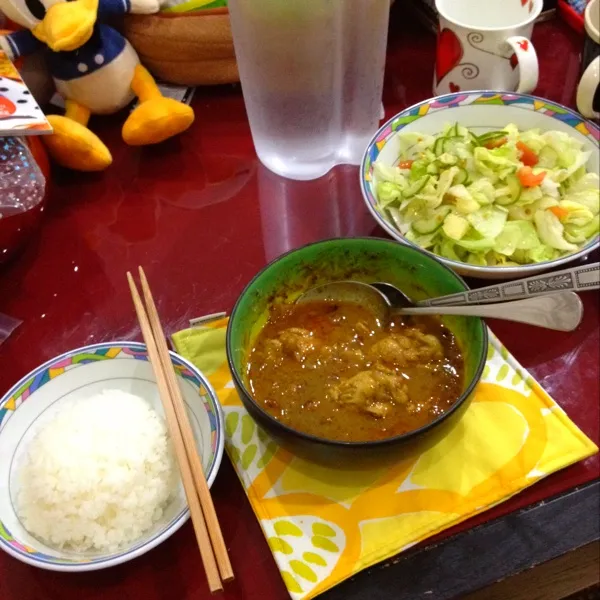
588,91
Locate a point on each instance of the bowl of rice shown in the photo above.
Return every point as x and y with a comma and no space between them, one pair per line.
89,478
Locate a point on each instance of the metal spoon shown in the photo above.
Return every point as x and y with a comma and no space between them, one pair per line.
562,311
582,278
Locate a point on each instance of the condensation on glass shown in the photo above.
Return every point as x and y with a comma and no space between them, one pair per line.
312,78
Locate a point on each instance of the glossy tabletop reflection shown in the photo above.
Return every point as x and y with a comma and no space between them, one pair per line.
203,216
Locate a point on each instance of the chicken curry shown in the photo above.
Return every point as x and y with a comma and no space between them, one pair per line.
331,370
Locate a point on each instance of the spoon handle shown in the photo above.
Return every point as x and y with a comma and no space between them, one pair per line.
577,279
562,311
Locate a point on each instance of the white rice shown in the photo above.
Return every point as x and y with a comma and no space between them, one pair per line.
98,475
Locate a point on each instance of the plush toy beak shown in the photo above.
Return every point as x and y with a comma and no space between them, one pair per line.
67,25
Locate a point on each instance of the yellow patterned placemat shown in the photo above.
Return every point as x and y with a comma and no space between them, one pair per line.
324,523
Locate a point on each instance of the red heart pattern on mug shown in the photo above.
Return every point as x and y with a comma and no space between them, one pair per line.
524,2
524,45
454,88
449,53
514,61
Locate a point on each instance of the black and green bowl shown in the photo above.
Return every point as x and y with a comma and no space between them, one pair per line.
418,274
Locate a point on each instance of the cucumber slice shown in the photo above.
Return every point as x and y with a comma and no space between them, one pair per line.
415,187
461,131
473,139
447,160
451,142
425,241
413,209
417,170
513,183
491,136
455,226
438,147
397,220
548,157
448,249
461,177
424,226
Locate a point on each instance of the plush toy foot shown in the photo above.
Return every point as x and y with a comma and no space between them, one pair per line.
74,146
156,120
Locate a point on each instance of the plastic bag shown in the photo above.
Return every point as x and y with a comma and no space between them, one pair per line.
22,191
7,326
22,184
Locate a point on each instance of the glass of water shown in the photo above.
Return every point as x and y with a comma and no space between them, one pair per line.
312,78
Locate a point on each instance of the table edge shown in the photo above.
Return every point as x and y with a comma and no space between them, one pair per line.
486,554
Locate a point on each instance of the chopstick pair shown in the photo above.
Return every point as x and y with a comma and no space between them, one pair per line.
206,525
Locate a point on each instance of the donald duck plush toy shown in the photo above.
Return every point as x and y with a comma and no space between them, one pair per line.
97,71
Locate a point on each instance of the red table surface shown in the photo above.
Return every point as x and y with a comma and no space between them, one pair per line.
203,216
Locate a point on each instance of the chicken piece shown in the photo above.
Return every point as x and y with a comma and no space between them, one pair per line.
378,409
363,331
297,342
393,349
390,387
342,352
273,351
356,390
372,391
353,355
430,344
410,347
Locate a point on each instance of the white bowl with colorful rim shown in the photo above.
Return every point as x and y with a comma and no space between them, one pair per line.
480,111
83,372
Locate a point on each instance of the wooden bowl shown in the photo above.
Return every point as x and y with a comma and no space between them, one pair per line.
194,48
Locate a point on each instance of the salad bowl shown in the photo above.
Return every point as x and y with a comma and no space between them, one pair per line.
440,130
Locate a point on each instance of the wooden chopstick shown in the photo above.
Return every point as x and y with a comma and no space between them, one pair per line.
208,508
206,551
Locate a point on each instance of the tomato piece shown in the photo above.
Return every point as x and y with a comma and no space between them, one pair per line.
528,157
528,178
495,143
405,164
558,211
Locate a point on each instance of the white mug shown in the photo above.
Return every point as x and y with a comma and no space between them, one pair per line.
588,92
485,44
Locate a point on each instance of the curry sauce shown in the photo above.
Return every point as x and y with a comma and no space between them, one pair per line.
332,370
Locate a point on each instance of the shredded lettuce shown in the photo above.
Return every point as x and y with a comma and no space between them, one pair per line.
489,221
384,172
579,234
588,198
464,195
577,214
551,231
516,235
388,192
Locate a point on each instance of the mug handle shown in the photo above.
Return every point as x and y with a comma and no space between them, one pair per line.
529,69
587,89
